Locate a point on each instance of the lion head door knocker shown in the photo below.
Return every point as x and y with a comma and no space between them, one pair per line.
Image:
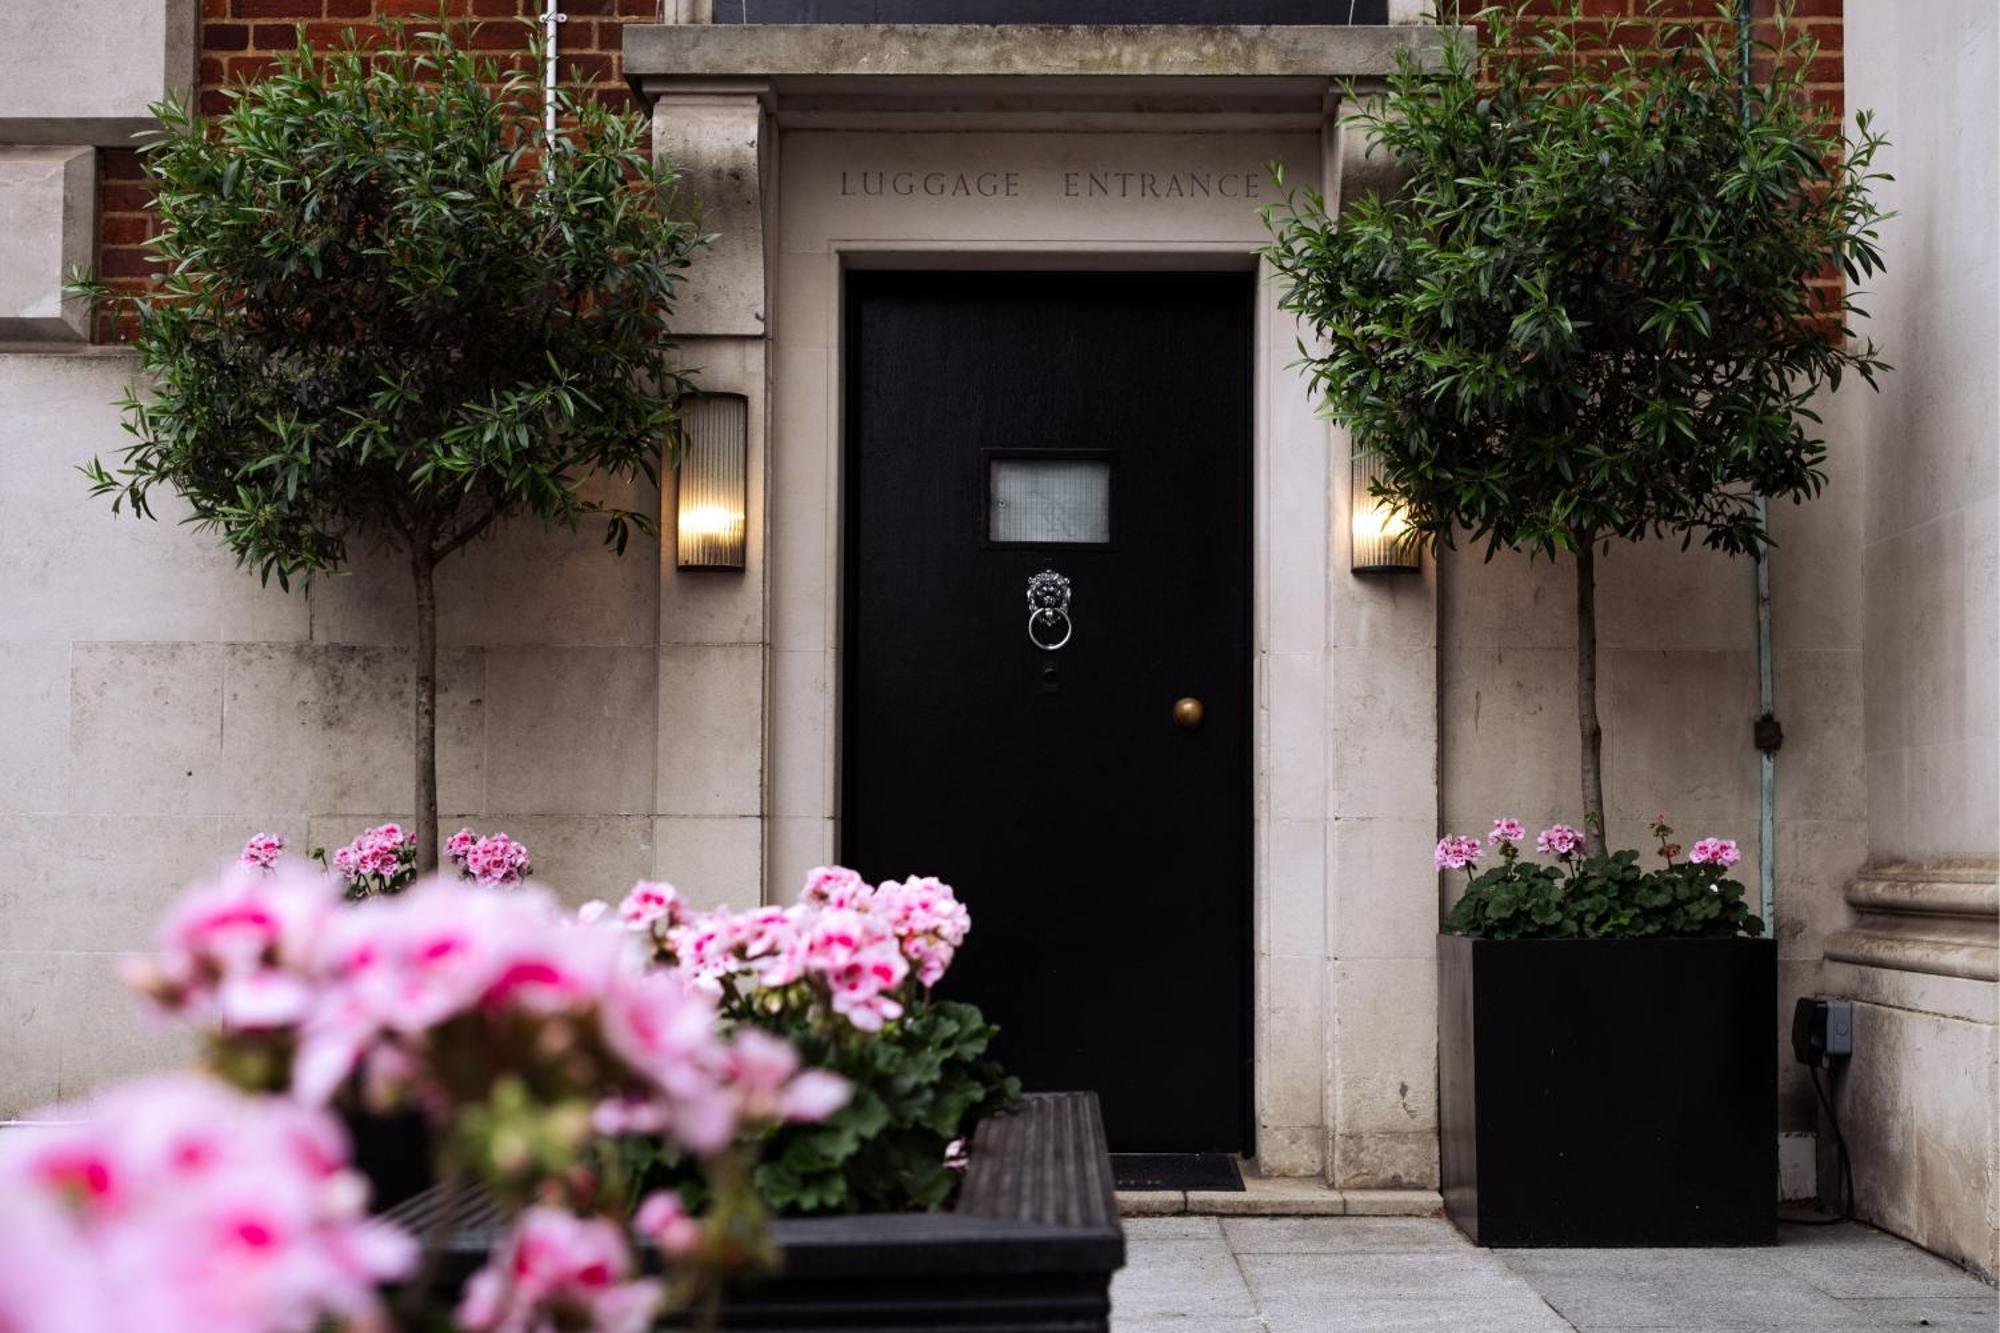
1049,626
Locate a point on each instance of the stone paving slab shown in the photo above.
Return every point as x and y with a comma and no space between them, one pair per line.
1355,1235
1596,1289
1180,1277
1306,1274
1391,1315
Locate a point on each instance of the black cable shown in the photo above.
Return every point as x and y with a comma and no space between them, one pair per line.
1846,1182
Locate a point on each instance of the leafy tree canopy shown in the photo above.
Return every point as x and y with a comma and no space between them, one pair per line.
1591,312
392,310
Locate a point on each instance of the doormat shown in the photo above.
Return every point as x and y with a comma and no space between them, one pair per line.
1175,1171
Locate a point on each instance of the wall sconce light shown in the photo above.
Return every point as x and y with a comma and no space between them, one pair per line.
714,481
1383,542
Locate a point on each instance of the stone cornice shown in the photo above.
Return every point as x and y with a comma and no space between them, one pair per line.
1937,920
659,55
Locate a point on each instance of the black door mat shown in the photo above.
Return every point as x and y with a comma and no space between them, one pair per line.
1175,1171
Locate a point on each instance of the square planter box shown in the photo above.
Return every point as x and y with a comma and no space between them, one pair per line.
1609,1092
1028,1246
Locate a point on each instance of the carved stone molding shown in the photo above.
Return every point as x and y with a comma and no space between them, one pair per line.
48,205
1936,920
717,136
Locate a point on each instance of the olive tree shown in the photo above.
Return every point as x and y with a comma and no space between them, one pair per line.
394,311
1591,312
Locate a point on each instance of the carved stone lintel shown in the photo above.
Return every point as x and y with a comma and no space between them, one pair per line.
1144,51
1937,920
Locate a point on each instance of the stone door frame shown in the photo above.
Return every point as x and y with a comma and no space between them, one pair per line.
1345,747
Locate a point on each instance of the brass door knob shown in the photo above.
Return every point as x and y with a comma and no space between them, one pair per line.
1187,713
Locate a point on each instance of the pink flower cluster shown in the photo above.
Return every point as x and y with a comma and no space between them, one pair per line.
651,902
1716,852
381,860
852,943
262,851
1456,852
560,1271
236,952
495,861
179,1204
1558,840
364,988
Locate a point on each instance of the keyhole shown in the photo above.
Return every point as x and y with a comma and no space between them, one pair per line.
1051,676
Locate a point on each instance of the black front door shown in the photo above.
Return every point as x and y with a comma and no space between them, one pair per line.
1079,772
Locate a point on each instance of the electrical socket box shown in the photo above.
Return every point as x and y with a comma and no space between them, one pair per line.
1822,1030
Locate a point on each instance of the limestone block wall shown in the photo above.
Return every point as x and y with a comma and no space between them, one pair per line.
162,706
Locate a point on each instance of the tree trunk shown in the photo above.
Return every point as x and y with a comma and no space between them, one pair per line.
422,567
1588,727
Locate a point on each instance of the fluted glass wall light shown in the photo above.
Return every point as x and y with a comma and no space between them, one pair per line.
714,481
1383,542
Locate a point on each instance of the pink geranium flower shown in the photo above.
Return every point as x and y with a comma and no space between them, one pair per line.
1558,840
261,852
1457,852
652,902
862,950
178,1203
394,968
764,1074
667,1032
1506,831
458,844
664,1220
836,887
231,950
928,920
1715,851
560,1271
496,861
381,860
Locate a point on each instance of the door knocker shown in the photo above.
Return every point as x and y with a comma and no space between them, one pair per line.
1049,625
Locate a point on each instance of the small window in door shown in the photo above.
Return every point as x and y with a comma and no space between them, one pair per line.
1049,500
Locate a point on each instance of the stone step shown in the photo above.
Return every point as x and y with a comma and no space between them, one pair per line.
1269,1196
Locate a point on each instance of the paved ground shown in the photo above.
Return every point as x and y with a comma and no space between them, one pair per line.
1418,1275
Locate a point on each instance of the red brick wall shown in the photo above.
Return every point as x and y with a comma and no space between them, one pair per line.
1629,23
1632,23
240,37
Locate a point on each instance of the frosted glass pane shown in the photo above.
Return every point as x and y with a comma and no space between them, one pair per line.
1049,500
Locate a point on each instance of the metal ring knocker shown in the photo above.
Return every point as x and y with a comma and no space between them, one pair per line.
1048,610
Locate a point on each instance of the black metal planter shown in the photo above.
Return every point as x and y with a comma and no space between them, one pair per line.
1030,1244
1609,1092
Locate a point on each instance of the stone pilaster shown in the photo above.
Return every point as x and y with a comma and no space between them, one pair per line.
709,828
